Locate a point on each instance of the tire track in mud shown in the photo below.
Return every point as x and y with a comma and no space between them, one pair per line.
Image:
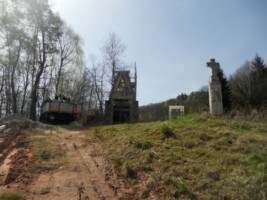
88,174
94,185
99,177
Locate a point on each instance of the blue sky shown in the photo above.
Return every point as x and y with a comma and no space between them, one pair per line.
171,40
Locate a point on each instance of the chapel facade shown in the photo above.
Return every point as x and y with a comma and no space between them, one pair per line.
122,106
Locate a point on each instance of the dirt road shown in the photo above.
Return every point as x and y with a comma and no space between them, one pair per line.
88,174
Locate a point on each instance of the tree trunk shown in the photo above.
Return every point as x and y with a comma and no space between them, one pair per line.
59,75
26,84
34,96
13,91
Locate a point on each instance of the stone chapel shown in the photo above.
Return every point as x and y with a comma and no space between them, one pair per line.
122,106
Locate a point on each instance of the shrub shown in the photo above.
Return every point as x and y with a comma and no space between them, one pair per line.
140,143
167,131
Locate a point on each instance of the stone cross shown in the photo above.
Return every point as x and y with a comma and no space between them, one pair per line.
214,67
215,91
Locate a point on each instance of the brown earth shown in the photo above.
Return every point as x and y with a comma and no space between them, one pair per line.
88,174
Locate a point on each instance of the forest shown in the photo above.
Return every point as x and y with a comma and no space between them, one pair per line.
41,55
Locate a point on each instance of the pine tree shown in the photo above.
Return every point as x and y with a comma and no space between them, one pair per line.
226,92
258,82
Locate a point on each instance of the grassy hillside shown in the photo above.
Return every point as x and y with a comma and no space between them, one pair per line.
192,157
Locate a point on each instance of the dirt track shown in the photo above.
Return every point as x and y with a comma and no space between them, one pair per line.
88,174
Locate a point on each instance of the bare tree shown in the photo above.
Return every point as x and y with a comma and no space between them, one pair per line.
47,28
98,77
38,52
25,79
70,53
240,84
248,85
113,50
12,39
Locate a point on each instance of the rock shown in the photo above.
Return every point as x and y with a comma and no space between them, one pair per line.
75,123
2,127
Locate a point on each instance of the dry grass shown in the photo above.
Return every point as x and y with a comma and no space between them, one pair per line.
193,157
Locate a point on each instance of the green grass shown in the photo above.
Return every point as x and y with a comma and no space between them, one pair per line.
195,156
12,196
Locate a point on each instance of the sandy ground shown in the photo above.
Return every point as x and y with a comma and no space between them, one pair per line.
88,174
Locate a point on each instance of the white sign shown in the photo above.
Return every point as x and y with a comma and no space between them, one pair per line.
175,111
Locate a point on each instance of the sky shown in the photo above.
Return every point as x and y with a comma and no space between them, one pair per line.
172,40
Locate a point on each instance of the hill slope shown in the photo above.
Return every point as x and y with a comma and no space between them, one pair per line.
192,157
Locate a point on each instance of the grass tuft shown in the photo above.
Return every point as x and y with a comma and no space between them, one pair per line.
241,125
140,143
167,131
128,171
12,196
98,134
